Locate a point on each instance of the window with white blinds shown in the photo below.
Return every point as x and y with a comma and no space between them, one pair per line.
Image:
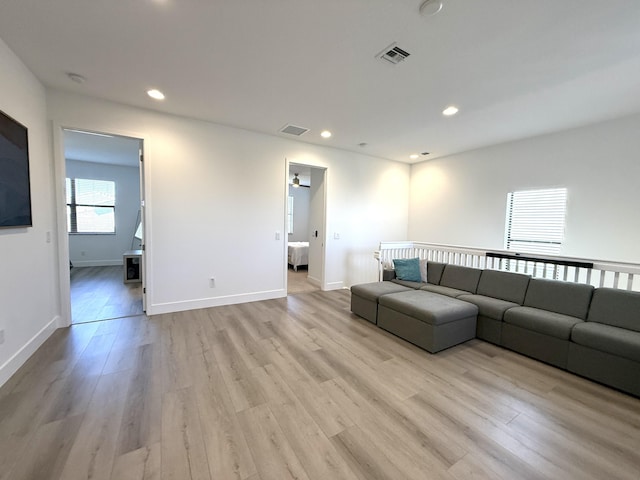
90,206
290,214
535,221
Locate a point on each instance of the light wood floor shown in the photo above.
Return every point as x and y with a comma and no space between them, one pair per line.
99,293
297,281
300,388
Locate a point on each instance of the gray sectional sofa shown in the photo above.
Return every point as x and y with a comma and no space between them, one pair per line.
432,321
541,327
606,347
593,332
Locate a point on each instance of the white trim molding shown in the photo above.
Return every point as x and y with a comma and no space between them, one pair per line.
12,365
171,307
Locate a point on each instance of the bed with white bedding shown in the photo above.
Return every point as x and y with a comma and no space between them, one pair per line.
298,254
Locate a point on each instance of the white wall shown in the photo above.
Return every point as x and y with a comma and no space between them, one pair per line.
98,250
29,305
461,199
300,214
201,223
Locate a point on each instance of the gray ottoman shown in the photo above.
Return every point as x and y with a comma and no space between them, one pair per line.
430,320
364,298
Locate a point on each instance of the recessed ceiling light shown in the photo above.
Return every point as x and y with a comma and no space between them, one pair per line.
325,134
155,94
450,110
413,156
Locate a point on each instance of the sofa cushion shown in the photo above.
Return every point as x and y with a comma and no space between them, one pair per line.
434,272
371,291
423,270
488,306
429,307
449,292
560,297
542,321
619,308
460,278
407,283
407,269
508,286
607,338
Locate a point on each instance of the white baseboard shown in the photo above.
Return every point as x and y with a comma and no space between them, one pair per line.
96,263
327,286
170,307
334,286
12,365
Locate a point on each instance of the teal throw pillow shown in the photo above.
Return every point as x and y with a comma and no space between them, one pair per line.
407,269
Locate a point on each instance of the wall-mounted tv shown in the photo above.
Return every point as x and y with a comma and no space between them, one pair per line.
15,191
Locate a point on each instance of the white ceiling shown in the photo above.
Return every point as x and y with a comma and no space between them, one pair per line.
515,68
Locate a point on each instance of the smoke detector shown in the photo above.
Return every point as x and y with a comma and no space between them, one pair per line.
393,54
76,77
430,7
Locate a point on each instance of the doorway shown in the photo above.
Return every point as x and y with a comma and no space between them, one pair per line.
306,190
104,221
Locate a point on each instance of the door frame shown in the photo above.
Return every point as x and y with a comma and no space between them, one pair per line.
65,319
323,263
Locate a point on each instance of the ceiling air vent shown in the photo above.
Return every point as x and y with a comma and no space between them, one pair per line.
293,130
393,54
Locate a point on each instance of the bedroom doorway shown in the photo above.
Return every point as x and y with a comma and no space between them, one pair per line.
104,214
306,192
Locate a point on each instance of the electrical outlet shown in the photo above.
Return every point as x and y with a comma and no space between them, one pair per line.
1,337
212,282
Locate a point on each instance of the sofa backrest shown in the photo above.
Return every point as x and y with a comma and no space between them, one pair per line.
619,308
508,286
561,297
434,272
461,278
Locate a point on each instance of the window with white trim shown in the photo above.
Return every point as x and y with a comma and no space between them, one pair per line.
535,221
91,206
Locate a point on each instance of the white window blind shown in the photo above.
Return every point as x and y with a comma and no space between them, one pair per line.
90,206
290,214
535,221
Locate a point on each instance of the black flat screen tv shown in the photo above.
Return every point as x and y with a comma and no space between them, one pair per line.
15,190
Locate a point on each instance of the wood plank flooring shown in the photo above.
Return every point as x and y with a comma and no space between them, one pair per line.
99,293
297,281
300,388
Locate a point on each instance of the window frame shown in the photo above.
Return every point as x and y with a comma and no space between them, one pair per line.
534,201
